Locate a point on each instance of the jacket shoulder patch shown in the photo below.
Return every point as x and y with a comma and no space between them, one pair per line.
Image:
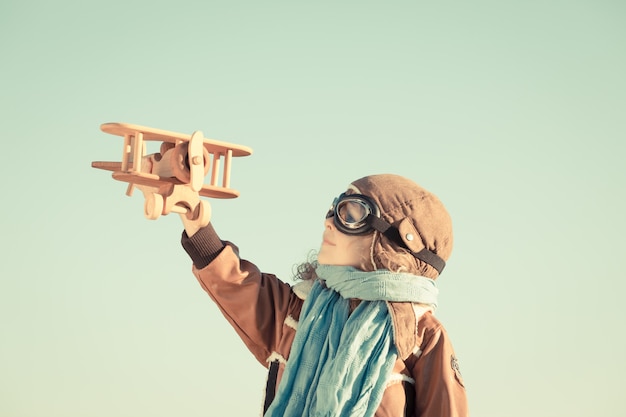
456,368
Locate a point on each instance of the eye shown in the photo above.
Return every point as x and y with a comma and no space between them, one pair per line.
352,212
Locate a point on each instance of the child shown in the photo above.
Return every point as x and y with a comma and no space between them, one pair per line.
357,336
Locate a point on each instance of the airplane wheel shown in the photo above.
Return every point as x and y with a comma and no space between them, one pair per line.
179,163
153,206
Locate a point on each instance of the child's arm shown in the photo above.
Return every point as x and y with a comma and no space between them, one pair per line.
260,307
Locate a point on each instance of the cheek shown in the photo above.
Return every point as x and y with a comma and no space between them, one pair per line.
360,245
361,249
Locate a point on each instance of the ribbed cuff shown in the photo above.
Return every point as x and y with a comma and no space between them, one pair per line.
203,247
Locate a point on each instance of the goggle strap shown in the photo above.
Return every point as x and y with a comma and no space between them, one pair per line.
393,234
385,228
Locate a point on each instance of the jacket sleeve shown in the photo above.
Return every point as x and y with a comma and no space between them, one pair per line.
256,304
439,387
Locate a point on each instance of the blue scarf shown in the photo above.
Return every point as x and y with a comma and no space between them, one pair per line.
340,363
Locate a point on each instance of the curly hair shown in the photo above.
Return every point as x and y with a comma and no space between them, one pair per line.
306,269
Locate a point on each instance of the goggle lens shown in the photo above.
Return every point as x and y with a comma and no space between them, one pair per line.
350,213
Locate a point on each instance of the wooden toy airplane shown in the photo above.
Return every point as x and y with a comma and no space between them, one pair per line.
172,180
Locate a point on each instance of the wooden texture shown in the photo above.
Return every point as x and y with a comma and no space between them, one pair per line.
172,180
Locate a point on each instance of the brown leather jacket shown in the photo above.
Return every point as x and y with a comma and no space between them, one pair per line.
264,311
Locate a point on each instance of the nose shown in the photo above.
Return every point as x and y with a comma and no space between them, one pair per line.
328,223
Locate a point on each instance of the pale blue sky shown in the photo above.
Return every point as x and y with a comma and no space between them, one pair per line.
512,112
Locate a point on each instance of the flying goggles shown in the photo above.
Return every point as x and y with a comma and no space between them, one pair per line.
357,214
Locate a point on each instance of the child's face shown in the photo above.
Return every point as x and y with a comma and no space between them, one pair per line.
341,249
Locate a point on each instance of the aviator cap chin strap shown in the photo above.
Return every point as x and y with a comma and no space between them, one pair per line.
393,234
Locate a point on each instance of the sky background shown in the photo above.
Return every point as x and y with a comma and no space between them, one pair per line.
512,112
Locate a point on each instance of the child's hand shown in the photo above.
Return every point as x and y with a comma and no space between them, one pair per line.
196,219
